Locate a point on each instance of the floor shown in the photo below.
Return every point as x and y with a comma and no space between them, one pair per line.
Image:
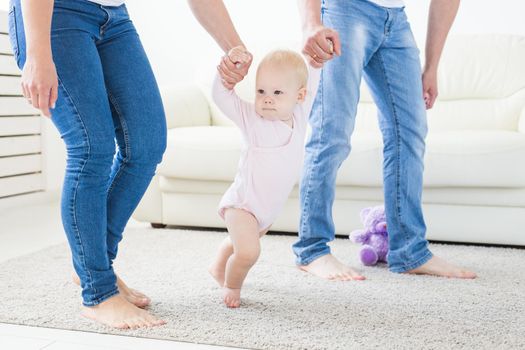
30,223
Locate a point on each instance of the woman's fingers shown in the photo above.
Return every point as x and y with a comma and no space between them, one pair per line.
53,97
43,101
227,81
26,92
239,56
33,96
40,97
230,65
229,75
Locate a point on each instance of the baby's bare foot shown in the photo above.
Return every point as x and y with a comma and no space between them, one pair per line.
133,296
439,267
328,267
118,312
231,297
217,272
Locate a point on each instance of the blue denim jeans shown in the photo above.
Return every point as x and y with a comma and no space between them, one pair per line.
377,43
110,115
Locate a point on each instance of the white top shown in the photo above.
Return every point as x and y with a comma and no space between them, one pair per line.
271,157
108,2
389,3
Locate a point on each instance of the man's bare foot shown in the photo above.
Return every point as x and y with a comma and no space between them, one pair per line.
439,267
118,312
133,296
231,297
328,267
217,272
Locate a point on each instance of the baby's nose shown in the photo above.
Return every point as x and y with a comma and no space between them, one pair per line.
268,100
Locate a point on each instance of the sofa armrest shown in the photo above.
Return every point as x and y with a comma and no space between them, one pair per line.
185,106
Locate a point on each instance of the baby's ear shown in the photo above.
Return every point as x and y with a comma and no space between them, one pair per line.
301,95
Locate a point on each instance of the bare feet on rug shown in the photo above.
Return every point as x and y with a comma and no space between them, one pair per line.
328,267
133,296
439,267
118,312
232,297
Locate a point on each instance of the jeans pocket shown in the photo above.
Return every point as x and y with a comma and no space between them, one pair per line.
13,34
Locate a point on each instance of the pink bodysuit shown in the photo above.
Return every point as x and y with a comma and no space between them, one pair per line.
271,155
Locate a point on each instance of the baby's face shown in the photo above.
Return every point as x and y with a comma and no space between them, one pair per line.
277,92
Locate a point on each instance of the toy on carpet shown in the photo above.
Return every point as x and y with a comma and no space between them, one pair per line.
373,237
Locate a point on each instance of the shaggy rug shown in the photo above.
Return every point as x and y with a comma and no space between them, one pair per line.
284,308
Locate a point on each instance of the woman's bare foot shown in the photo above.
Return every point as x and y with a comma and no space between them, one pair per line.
133,296
232,297
118,312
439,267
328,267
217,272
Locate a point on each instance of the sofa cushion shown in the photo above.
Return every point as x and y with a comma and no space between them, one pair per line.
467,158
202,153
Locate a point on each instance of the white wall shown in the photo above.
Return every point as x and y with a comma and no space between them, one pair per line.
174,40
177,46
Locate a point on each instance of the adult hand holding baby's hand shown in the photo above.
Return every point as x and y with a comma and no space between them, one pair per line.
320,45
234,66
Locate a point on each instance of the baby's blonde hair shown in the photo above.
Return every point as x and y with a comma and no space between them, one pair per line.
289,59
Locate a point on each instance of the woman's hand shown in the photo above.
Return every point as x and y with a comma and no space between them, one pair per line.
40,82
320,45
234,66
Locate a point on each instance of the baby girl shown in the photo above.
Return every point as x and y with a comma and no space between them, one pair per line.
273,130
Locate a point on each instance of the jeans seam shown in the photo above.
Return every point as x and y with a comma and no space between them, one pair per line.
320,93
75,223
126,142
398,149
16,49
105,24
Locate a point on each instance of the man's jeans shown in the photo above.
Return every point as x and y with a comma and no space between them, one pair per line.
109,114
378,42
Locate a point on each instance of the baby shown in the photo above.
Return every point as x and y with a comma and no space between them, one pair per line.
273,130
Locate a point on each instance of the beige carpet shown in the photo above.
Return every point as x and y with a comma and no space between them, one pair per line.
284,308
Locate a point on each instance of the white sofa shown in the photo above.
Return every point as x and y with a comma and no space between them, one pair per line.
474,183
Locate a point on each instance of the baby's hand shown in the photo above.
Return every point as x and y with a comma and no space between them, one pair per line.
234,66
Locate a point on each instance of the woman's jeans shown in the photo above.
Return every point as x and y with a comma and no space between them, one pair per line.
377,43
110,115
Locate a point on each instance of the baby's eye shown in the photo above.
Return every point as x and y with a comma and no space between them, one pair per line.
278,92
260,91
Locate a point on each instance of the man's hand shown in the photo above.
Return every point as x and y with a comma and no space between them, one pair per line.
234,66
440,18
320,45
430,89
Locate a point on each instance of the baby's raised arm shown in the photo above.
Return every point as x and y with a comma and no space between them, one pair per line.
230,104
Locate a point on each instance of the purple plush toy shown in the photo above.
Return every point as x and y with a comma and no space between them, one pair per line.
373,237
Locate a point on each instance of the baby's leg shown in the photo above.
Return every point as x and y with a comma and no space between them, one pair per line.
218,267
244,235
